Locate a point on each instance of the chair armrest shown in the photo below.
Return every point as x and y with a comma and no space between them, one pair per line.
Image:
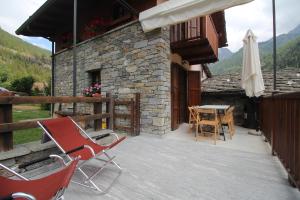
22,195
115,135
61,160
91,149
102,136
107,135
82,147
74,150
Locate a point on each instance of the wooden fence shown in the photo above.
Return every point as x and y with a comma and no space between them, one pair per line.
7,126
280,123
133,115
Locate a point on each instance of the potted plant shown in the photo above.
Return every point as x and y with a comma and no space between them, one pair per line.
93,91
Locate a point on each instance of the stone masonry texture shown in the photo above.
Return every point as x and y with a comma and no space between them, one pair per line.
130,61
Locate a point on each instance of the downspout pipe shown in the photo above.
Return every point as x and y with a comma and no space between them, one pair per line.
52,74
74,53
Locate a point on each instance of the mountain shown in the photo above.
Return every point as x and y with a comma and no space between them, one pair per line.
284,41
19,59
224,53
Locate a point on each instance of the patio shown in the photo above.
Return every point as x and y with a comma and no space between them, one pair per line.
177,167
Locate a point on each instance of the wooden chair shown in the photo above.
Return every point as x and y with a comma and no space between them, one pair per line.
208,117
192,116
228,120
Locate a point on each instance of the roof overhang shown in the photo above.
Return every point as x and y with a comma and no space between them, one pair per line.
47,19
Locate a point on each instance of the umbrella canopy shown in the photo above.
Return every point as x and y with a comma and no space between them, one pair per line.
177,11
252,79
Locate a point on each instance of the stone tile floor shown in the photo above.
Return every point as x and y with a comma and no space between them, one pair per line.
177,167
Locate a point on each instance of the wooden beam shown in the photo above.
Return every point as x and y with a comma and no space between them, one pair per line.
123,128
9,127
97,110
189,43
48,99
119,103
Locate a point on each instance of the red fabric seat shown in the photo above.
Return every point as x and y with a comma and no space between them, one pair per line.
43,188
68,136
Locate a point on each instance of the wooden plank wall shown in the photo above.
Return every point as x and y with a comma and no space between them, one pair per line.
280,123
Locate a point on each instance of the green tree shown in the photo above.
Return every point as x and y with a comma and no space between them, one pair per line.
23,84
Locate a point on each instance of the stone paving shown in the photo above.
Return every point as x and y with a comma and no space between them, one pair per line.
177,167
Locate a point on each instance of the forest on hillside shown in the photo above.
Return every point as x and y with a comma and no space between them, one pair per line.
19,59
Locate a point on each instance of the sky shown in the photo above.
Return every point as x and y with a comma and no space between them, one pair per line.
256,15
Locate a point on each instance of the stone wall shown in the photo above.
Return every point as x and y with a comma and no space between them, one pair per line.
130,61
238,101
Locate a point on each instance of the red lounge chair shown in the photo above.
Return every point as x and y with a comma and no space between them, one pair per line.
66,134
49,187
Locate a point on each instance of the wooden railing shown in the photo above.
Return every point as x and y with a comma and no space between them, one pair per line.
132,115
197,28
280,123
7,126
211,34
190,30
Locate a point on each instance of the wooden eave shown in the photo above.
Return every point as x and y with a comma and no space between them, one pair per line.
56,16
220,25
51,16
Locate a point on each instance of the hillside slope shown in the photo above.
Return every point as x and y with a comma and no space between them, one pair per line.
19,59
234,63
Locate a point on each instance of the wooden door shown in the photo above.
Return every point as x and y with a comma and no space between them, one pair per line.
175,94
183,104
194,88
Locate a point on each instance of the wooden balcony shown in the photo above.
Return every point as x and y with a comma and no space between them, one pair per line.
196,40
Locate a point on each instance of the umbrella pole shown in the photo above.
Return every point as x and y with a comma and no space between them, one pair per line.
274,45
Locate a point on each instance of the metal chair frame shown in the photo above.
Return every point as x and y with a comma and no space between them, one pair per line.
88,182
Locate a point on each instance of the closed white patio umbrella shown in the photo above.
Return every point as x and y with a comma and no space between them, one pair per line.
177,11
252,79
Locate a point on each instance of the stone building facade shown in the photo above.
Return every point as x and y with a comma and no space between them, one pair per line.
129,61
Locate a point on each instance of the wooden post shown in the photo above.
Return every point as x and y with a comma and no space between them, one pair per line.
132,117
273,126
6,138
110,109
98,110
137,113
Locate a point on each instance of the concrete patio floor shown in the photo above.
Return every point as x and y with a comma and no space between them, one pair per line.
177,167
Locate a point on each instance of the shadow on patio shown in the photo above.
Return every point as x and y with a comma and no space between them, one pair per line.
177,167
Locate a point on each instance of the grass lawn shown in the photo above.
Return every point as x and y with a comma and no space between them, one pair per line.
26,113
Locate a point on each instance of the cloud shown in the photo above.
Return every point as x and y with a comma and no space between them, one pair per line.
13,13
257,16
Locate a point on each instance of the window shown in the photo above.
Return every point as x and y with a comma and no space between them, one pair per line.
95,76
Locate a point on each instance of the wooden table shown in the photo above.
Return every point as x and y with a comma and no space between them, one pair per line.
217,107
221,109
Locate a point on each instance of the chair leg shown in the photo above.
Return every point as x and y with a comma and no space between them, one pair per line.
215,135
190,120
230,130
88,182
233,127
197,129
201,129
